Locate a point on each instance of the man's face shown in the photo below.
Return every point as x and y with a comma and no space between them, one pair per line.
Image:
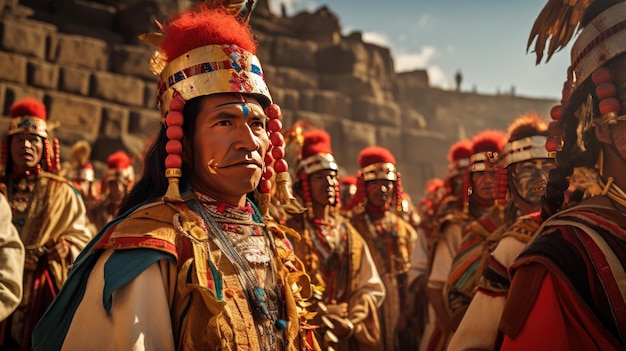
323,187
483,185
530,178
230,136
26,150
117,191
379,192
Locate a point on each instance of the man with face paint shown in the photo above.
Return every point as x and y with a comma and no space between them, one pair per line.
478,199
523,168
195,261
334,253
568,287
47,211
389,237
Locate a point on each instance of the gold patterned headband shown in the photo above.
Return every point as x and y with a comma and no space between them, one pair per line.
28,124
212,69
524,149
383,170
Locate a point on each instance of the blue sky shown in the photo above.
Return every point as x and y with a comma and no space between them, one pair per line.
484,39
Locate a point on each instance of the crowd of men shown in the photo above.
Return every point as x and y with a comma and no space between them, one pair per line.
243,234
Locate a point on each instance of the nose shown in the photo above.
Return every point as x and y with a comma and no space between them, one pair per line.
331,180
247,140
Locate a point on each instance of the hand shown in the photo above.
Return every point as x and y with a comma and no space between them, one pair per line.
343,327
59,250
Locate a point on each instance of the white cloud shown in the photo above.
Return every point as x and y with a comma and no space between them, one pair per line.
410,61
376,38
437,78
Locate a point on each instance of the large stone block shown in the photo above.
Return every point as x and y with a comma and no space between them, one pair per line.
424,146
291,78
132,60
75,50
348,57
42,74
412,119
144,123
369,110
390,138
355,137
25,37
75,113
286,98
14,92
332,103
150,94
294,53
13,68
115,121
75,80
118,88
352,86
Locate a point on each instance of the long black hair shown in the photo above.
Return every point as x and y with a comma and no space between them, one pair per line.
153,184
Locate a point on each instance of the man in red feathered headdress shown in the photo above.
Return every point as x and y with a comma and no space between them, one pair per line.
195,259
479,195
47,212
390,238
79,170
522,173
114,186
334,253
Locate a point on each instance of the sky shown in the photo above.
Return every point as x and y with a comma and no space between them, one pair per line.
483,39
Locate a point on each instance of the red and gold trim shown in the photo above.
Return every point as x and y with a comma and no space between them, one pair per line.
28,124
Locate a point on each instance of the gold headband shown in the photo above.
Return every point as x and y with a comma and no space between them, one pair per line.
317,162
28,124
524,149
599,41
212,69
483,161
382,170
81,174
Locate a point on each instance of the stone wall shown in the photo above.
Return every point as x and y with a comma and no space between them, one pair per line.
91,72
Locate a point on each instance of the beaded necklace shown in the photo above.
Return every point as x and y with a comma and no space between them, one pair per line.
239,234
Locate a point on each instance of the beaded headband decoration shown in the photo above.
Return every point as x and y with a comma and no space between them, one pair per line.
28,124
524,149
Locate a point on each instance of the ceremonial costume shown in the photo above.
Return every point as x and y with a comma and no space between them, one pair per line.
117,181
47,211
334,253
523,170
195,261
11,262
486,147
567,286
81,173
389,237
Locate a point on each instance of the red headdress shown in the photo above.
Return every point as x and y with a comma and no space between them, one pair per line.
120,169
458,157
376,162
29,116
317,155
208,51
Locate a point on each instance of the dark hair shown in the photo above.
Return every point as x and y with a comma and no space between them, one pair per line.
572,155
153,184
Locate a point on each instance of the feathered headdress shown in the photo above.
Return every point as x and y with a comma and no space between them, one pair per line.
458,157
